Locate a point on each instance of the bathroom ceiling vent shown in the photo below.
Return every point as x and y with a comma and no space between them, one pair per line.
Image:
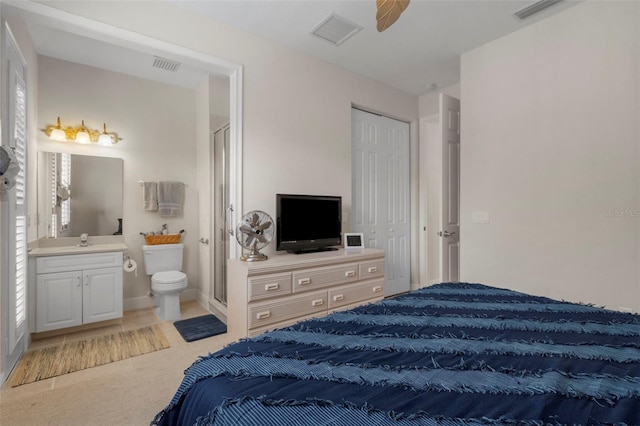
165,64
335,29
536,7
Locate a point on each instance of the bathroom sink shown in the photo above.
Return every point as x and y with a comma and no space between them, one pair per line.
76,249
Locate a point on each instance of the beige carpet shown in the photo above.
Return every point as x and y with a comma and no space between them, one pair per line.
78,355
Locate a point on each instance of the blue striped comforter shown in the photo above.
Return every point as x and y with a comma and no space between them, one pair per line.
449,354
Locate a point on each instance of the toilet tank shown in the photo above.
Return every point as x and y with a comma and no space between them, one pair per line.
162,257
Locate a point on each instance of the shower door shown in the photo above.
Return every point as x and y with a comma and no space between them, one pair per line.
221,212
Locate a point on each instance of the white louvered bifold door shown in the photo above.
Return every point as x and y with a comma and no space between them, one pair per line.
19,299
14,206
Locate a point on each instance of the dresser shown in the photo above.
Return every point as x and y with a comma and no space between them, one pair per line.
288,288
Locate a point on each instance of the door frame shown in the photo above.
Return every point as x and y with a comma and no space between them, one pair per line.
89,28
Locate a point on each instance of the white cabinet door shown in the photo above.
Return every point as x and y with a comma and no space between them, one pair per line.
59,300
101,294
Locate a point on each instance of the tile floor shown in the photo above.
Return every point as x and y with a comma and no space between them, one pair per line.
128,392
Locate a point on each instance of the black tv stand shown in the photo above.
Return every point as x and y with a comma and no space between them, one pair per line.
312,250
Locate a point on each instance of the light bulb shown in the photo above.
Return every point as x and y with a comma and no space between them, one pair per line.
83,136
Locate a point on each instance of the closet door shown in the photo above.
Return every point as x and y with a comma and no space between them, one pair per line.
381,192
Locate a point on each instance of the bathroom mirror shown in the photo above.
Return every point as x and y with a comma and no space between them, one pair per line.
79,194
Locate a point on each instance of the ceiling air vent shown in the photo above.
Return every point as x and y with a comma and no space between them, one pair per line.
536,7
165,64
335,29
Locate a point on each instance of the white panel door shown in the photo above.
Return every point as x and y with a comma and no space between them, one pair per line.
381,192
450,215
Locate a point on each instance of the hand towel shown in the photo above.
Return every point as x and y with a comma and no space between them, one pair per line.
150,196
170,198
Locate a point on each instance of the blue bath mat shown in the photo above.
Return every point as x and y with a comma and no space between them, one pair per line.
200,327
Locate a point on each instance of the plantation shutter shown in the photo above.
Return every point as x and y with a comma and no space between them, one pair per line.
21,222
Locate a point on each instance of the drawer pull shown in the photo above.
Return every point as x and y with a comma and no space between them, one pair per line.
377,289
338,297
304,281
263,315
317,302
272,286
350,274
372,269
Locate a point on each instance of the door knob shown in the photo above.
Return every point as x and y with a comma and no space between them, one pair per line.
204,241
446,233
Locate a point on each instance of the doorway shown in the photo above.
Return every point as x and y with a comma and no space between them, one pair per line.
440,194
87,28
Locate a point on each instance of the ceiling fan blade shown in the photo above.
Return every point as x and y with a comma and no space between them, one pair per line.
389,11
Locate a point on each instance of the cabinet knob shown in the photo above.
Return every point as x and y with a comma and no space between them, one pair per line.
338,297
317,302
372,269
272,286
350,274
377,289
263,315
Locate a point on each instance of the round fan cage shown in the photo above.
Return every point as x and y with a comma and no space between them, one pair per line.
254,232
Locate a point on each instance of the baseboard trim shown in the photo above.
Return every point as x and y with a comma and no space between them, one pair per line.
135,303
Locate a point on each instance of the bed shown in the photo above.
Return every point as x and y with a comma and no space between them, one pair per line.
448,354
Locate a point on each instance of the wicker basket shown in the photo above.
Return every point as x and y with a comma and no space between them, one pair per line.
162,239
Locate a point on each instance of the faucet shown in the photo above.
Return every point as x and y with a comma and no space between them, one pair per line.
83,240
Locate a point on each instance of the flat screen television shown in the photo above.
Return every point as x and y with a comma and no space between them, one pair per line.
308,223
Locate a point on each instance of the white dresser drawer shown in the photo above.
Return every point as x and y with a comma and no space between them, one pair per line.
266,286
263,314
75,262
371,269
313,279
346,295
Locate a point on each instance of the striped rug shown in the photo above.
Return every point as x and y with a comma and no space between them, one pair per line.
78,355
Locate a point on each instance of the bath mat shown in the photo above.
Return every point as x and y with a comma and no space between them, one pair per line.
52,361
200,327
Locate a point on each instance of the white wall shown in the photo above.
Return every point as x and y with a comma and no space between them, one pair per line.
550,148
297,125
157,123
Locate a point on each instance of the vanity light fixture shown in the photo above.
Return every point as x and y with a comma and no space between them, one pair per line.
81,134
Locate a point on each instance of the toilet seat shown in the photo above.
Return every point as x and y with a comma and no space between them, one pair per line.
168,277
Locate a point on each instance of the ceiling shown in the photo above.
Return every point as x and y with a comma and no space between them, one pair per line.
420,50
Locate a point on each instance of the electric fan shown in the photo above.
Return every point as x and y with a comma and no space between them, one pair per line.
254,232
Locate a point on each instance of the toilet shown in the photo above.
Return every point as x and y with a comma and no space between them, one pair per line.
164,263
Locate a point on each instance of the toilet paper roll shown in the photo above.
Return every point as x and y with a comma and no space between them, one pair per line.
130,265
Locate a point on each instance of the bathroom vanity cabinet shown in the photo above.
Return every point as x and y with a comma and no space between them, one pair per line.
77,289
288,288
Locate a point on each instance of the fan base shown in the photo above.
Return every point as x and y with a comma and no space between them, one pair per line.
254,257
